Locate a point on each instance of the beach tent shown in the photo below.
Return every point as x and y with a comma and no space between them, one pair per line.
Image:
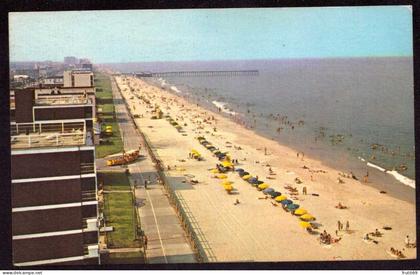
305,225
263,186
307,217
246,177
275,194
280,198
239,170
286,202
221,176
267,191
292,206
300,212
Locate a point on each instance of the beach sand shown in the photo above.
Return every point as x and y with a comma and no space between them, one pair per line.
255,229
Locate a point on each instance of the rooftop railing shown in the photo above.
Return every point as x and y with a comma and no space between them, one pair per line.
63,100
48,134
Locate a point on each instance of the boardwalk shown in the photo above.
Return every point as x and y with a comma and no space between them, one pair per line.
167,242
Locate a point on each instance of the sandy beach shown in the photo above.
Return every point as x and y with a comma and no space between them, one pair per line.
258,229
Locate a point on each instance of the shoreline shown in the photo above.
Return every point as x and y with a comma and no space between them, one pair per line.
393,182
222,222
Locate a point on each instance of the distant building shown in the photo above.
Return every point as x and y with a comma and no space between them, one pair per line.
78,78
70,60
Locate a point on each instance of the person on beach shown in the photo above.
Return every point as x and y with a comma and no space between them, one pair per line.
304,191
145,184
407,241
347,226
297,154
339,225
365,178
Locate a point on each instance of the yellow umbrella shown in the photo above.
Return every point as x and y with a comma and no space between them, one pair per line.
195,152
262,186
228,187
227,182
305,225
307,217
221,176
227,164
246,177
214,171
180,169
300,212
280,198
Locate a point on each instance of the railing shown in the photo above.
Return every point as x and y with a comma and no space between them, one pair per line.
87,168
47,140
47,134
88,196
63,99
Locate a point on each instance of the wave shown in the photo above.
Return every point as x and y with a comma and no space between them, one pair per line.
223,107
175,89
395,174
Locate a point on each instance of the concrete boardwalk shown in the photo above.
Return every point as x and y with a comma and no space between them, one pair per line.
167,242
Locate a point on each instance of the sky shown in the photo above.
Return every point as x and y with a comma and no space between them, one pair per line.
211,34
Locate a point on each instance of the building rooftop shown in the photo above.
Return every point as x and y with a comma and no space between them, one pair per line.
49,134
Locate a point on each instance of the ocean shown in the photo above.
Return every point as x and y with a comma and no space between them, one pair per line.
354,114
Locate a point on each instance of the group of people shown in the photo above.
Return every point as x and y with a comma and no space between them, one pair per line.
326,238
397,252
340,226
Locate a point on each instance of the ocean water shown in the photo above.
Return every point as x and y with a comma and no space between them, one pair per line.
355,114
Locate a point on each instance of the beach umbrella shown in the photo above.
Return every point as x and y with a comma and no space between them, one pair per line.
307,217
226,182
305,225
252,180
208,145
217,152
228,187
195,151
268,191
292,206
241,174
239,170
280,198
286,202
227,164
259,182
214,171
263,186
246,177
275,194
300,212
221,176
201,138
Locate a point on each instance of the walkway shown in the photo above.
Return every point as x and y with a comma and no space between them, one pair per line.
167,242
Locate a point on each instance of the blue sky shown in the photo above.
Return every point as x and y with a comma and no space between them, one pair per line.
211,34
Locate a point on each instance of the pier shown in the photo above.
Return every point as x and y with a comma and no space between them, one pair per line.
199,73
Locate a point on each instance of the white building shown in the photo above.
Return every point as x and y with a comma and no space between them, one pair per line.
78,78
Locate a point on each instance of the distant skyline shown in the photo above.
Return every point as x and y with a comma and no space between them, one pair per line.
211,34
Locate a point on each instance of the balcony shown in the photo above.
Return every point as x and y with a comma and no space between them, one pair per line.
64,100
48,134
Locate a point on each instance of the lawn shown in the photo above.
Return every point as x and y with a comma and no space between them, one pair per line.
123,258
119,210
114,180
104,101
